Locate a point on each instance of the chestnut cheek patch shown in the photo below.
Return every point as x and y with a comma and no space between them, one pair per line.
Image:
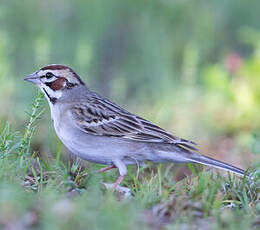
58,84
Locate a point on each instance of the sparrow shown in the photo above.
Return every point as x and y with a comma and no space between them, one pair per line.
97,130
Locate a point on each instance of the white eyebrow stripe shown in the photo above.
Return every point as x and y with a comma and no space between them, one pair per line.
54,72
66,73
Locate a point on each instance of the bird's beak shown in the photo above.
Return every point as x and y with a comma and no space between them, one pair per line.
34,78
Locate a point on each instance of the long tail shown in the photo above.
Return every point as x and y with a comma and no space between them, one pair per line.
186,154
201,159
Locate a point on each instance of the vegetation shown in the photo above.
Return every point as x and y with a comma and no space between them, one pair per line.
45,193
192,67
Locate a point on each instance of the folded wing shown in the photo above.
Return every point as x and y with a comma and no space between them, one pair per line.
101,117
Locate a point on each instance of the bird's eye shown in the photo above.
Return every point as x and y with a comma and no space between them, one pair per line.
49,75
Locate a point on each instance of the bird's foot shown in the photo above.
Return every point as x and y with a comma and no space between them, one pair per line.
123,192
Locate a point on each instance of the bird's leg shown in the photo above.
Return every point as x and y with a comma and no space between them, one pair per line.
106,168
121,177
122,172
118,181
123,191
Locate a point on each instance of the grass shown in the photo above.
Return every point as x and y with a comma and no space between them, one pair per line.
47,193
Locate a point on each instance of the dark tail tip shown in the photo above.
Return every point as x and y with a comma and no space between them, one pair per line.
201,159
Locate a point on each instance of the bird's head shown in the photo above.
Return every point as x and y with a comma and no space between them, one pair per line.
54,80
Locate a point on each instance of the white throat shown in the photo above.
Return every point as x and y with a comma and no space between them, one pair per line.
51,95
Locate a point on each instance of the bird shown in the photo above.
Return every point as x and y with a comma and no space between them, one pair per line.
98,130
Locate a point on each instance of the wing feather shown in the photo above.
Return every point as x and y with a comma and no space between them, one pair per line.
99,116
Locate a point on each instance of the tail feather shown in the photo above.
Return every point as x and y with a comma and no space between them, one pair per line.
184,154
201,159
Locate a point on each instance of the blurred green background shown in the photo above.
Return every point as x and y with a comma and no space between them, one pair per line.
192,67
